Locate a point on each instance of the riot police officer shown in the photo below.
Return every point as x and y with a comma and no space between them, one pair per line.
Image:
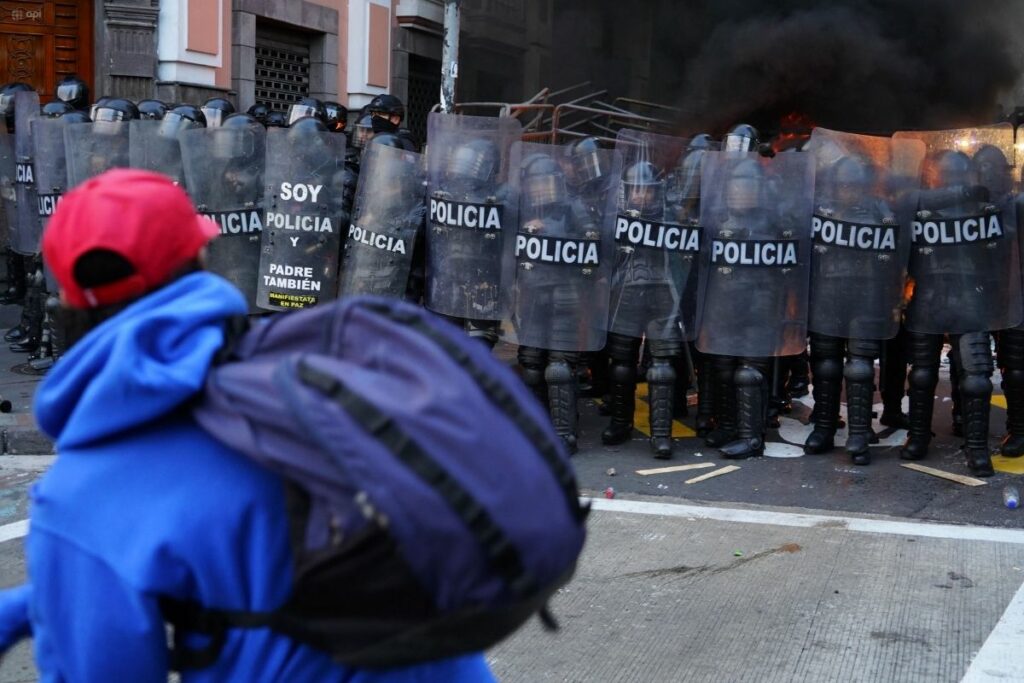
216,109
74,91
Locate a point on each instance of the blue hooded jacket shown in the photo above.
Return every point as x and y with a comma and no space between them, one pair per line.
141,504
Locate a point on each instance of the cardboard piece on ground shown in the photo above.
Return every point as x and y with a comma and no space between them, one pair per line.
725,470
958,478
675,468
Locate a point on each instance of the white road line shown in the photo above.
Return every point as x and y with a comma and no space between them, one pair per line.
795,519
9,532
999,658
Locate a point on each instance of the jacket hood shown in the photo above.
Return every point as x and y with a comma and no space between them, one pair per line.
139,365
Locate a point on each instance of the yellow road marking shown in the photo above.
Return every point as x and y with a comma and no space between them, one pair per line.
642,417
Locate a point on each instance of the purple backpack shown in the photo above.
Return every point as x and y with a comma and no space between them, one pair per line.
433,508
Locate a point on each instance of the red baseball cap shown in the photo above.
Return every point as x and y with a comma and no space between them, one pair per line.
141,216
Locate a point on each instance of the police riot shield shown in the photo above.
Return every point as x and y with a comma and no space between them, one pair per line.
95,148
757,214
155,146
388,215
8,194
560,267
865,196
51,167
223,173
657,238
25,236
301,238
964,259
470,213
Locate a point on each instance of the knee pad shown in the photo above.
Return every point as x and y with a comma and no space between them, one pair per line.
558,372
859,370
975,386
661,372
923,378
747,376
830,368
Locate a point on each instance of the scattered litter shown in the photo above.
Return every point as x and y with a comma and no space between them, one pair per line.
698,454
958,478
611,472
609,492
675,468
717,473
737,553
1011,497
662,487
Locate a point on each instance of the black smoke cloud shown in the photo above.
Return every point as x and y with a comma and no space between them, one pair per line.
861,65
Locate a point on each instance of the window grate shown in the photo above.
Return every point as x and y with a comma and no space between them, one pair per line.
282,75
424,93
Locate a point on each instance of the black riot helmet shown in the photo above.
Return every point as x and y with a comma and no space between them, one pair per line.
363,132
97,104
994,171
306,140
152,110
742,138
182,117
744,188
542,184
234,140
853,178
702,141
216,109
387,106
307,106
643,189
7,101
953,169
337,117
114,110
587,163
56,109
74,91
259,112
475,163
276,119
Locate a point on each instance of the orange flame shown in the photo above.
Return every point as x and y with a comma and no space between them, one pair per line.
794,129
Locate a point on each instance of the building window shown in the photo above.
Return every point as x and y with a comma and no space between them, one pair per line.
282,67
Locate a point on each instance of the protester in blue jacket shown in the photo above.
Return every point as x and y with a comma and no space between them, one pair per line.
141,504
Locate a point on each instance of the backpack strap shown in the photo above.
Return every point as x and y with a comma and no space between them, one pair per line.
186,616
501,552
501,397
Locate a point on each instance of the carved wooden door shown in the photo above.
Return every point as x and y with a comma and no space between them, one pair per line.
41,41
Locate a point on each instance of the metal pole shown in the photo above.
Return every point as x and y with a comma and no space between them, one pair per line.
450,55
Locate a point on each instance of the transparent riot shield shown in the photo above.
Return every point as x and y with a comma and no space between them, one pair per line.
8,194
95,148
155,146
25,237
657,238
560,263
865,197
386,220
51,164
965,260
223,173
756,213
303,206
470,213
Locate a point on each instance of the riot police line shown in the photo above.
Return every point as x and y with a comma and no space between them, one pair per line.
714,259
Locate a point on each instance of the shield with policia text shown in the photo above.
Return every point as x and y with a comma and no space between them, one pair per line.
470,213
25,237
302,228
95,148
155,146
865,196
757,215
657,238
8,194
51,173
560,266
965,260
387,217
223,171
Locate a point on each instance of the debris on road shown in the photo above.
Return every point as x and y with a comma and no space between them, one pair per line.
1011,497
717,473
611,472
609,492
958,478
675,468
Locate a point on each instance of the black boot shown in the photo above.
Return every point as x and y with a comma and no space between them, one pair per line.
705,396
15,334
799,376
680,389
893,375
955,373
750,401
724,395
563,392
622,376
661,378
827,372
924,376
975,355
15,292
860,374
